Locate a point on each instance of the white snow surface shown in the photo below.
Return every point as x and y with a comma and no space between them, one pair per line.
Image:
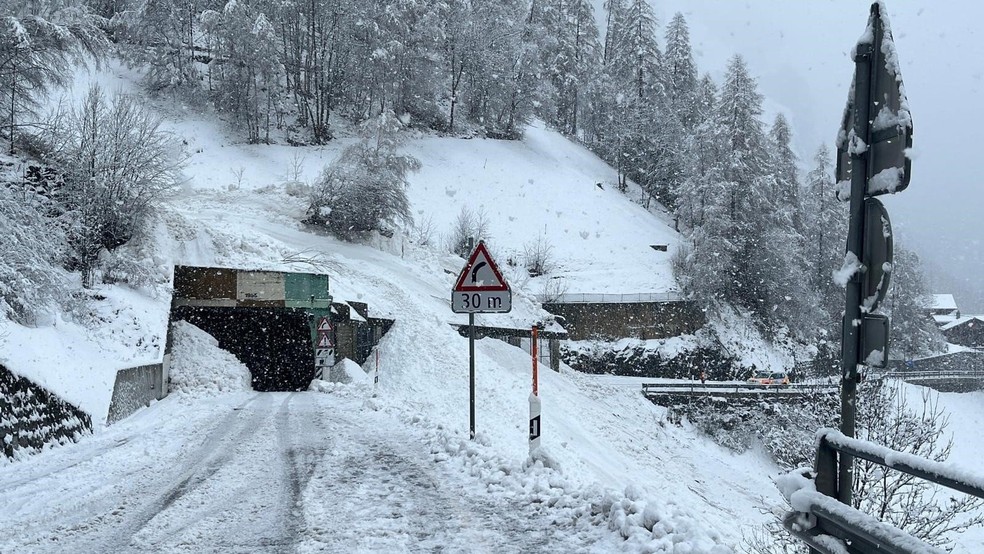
200,368
339,467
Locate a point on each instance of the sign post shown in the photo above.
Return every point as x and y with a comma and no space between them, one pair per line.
324,346
479,288
535,396
871,160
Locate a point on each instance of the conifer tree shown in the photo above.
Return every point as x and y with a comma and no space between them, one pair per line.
634,56
679,72
747,185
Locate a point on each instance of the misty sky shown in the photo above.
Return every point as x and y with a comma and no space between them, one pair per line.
799,51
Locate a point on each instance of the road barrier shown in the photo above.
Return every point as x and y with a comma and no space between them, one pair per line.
830,527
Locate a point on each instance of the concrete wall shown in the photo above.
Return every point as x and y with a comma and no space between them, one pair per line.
135,388
615,320
32,418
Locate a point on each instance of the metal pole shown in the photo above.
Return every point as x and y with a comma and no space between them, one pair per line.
535,350
471,362
851,345
471,375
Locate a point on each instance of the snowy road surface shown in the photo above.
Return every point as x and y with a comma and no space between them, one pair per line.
266,472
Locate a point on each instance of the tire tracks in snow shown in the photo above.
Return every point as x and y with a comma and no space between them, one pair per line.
217,449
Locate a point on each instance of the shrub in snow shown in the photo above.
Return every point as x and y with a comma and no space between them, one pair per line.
785,431
468,225
538,256
31,280
364,190
200,368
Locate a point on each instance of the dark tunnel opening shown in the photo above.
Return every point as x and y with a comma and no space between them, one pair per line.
274,343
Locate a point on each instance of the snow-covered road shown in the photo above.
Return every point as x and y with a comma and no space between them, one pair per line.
265,472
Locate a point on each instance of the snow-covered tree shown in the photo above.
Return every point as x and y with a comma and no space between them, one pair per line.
569,51
825,230
118,163
364,190
39,43
747,183
913,333
634,58
31,279
164,34
679,73
244,71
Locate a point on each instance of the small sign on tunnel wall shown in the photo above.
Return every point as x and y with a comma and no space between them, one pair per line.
260,286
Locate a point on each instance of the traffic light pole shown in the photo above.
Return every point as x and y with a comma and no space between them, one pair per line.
851,345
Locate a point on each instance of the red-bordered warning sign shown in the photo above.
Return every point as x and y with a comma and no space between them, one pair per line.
480,273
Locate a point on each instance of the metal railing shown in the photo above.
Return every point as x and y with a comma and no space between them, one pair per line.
737,387
830,527
935,374
600,298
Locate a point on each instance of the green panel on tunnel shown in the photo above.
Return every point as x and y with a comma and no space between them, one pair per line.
307,290
274,343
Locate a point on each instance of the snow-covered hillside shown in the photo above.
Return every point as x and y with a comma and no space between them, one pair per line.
241,206
603,443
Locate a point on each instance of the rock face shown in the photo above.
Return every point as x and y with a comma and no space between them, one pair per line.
31,418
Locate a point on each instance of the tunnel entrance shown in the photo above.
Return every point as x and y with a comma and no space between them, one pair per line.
274,343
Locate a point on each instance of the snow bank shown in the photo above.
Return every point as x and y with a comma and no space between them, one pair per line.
347,371
200,368
647,524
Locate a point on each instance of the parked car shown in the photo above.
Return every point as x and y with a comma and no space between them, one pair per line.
768,378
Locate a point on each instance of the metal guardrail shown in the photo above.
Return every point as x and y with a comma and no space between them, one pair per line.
593,298
824,518
736,387
938,374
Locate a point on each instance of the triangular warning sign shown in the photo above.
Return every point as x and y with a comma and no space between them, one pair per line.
480,273
324,324
324,341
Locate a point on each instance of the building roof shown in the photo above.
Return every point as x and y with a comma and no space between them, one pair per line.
942,302
967,319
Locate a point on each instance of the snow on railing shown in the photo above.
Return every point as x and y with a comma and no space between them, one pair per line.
831,527
600,298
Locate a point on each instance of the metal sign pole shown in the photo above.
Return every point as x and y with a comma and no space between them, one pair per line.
535,396
851,345
471,374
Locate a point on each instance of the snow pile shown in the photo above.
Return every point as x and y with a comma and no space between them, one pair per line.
346,372
646,524
200,368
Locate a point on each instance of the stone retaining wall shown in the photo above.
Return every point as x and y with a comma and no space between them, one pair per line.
32,418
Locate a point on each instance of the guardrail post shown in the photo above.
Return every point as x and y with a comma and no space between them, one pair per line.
826,468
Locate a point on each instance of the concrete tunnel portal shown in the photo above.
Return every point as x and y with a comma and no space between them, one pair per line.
277,324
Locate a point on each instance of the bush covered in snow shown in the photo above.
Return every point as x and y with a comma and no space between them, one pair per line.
200,368
785,431
673,358
31,280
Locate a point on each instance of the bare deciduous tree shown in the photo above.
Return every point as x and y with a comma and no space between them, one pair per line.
117,161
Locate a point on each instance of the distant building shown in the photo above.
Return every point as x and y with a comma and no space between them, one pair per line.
943,309
965,331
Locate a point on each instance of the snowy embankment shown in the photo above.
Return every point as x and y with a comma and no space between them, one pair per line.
608,450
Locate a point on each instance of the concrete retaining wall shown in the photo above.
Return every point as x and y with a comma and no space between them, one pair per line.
135,388
32,418
616,320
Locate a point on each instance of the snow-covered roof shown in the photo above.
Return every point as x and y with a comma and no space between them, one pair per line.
957,322
942,302
946,319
